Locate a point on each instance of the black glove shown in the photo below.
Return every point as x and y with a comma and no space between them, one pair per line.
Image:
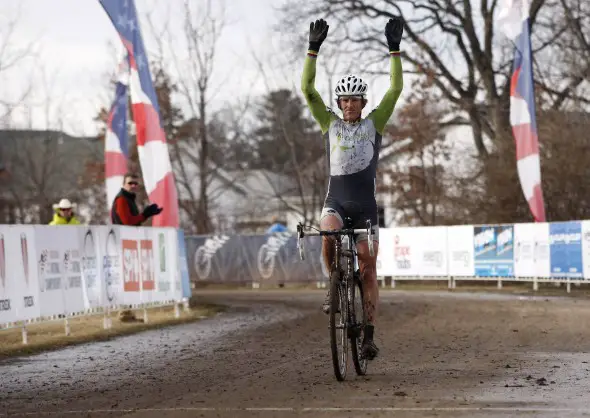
393,33
317,33
151,210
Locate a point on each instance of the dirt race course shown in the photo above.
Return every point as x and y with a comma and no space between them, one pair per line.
442,355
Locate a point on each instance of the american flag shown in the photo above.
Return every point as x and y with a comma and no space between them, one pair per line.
151,139
513,20
116,151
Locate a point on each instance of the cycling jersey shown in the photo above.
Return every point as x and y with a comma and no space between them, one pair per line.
352,149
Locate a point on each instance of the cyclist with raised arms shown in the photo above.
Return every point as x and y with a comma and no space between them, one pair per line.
352,146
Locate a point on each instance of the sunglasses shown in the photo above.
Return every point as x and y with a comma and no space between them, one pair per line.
132,183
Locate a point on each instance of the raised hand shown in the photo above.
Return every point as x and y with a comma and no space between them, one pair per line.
318,31
393,32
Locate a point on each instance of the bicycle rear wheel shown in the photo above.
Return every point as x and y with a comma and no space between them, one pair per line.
338,337
357,324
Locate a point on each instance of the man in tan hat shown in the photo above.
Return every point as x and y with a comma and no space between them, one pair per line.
64,214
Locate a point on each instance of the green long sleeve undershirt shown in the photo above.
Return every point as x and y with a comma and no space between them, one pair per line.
380,115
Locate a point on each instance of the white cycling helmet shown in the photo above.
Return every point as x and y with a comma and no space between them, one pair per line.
351,85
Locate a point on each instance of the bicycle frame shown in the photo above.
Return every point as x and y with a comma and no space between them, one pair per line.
344,289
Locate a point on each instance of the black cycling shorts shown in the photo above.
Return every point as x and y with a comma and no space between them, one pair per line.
358,212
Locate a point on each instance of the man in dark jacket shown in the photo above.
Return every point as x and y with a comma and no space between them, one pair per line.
124,210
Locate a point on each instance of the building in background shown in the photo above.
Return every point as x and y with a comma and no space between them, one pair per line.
39,168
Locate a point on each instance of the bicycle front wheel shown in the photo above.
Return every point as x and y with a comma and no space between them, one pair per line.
338,337
357,323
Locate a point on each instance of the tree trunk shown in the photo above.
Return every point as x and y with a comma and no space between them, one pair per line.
203,223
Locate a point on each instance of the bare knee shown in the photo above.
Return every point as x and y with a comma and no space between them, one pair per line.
330,223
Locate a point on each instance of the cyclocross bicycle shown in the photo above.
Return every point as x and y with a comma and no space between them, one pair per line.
345,292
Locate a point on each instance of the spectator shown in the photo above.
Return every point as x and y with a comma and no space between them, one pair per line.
125,210
64,214
277,226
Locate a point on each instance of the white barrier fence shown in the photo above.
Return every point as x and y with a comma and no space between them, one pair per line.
557,252
49,271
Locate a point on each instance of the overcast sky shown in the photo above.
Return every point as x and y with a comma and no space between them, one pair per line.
78,47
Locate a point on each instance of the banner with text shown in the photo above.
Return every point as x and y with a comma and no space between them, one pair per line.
519,251
60,270
565,247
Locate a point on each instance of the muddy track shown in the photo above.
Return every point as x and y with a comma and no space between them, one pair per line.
268,356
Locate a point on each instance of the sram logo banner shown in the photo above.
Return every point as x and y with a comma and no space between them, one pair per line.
131,277
139,279
146,256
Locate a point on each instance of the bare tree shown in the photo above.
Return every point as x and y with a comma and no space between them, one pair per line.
202,28
565,165
11,59
224,166
453,44
43,163
44,166
208,146
573,18
298,153
419,181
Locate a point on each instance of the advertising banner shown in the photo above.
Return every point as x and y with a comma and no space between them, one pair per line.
432,251
19,289
406,252
59,270
8,286
565,247
182,265
111,262
139,280
92,284
494,250
461,251
62,270
542,254
524,250
385,259
263,259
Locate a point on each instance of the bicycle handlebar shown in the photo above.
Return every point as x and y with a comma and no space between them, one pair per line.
349,231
